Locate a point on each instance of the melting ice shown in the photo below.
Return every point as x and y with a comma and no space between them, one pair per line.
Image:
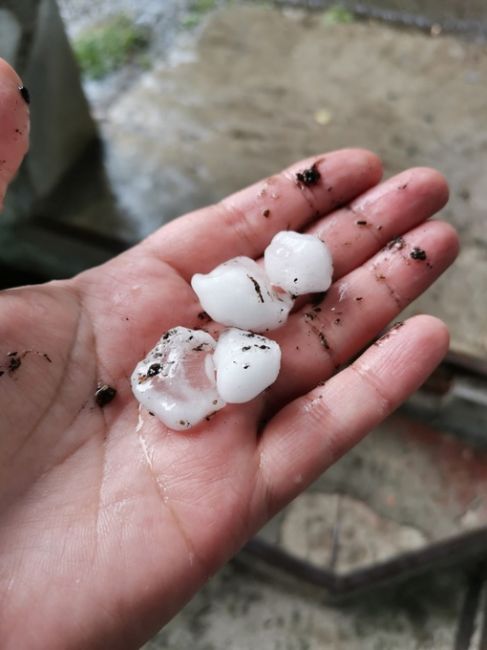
298,263
176,381
246,364
238,293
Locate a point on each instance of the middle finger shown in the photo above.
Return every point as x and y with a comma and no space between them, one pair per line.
318,339
356,232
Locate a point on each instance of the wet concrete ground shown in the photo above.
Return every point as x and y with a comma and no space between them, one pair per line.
258,90
246,607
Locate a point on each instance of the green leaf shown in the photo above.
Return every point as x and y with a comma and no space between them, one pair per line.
338,15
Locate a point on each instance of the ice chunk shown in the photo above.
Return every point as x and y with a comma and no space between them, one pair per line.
298,263
238,294
176,381
246,364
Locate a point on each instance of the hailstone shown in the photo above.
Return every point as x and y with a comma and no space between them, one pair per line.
176,380
246,364
238,293
298,263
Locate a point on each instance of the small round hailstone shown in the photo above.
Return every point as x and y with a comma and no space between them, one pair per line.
238,294
246,364
176,381
298,263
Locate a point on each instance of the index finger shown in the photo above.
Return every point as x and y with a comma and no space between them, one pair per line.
14,125
245,222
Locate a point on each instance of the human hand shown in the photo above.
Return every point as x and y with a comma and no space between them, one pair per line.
110,523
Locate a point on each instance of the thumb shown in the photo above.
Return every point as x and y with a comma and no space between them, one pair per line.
14,125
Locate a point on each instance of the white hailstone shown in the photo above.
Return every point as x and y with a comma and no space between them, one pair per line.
298,263
176,381
238,294
246,364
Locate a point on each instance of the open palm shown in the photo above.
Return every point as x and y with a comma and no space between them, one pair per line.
109,521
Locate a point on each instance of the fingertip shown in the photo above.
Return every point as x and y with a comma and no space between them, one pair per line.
433,330
364,159
434,183
452,238
420,342
372,162
409,350
444,232
14,125
8,73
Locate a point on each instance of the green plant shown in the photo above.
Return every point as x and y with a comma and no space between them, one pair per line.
110,45
197,9
203,6
337,15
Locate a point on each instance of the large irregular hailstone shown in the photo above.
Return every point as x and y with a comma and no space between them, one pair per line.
298,263
238,294
176,381
246,364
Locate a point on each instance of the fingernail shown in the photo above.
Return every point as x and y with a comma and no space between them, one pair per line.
25,94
